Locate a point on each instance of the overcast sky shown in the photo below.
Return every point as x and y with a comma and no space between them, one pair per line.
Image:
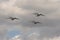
24,9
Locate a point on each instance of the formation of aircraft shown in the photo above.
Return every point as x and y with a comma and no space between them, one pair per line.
35,22
12,18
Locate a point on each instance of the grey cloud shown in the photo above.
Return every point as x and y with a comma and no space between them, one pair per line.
25,22
37,3
50,32
49,27
3,0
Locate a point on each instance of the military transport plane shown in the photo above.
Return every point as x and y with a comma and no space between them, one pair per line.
37,14
35,22
12,18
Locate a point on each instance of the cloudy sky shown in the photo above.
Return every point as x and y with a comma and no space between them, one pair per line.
49,29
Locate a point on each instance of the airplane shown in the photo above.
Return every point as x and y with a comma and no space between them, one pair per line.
35,22
12,18
37,14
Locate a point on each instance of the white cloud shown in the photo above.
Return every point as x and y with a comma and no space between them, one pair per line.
17,37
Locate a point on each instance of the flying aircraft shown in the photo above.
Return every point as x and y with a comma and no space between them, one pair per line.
35,22
37,14
12,18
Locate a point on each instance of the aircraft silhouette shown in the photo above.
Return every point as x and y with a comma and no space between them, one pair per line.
37,14
12,18
35,22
